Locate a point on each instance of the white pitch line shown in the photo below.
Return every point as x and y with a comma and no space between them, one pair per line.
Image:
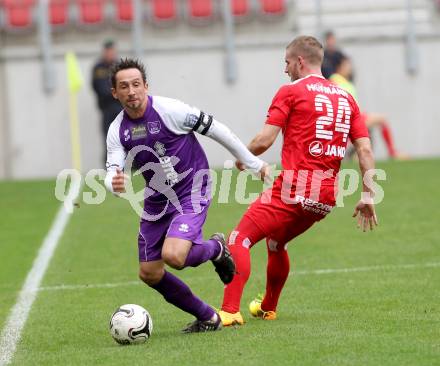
383,267
91,286
386,267
11,333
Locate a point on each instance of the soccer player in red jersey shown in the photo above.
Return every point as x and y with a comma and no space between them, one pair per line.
316,118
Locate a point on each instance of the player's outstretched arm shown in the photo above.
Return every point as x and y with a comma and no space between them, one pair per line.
259,144
364,209
182,118
264,139
224,136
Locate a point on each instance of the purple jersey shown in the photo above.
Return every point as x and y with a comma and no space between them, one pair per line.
163,146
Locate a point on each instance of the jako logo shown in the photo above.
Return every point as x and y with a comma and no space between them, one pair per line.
316,148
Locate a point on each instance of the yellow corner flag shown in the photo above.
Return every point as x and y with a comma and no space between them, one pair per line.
75,82
74,76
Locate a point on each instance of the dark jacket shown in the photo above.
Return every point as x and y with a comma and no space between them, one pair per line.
102,86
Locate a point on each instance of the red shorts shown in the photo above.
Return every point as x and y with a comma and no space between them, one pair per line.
281,221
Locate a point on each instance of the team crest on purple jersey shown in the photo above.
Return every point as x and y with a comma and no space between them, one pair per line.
154,127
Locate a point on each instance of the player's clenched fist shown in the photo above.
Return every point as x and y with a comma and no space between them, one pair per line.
118,182
265,174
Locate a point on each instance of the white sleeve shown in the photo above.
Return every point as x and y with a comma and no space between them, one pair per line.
182,118
224,136
179,117
116,153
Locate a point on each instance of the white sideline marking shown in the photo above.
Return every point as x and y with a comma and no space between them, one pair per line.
17,318
96,285
296,273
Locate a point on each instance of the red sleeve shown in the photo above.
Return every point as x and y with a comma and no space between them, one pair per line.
279,110
358,128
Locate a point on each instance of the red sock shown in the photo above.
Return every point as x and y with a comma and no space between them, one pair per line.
386,134
234,290
240,240
278,267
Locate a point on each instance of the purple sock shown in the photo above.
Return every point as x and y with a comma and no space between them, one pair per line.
179,294
200,253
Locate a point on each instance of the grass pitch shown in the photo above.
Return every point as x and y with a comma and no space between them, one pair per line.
375,303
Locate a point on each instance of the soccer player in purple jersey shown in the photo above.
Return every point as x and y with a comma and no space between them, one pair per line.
157,134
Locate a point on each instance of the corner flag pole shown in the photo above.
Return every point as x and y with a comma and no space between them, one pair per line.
75,82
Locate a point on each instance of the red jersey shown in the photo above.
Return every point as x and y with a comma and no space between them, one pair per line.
317,118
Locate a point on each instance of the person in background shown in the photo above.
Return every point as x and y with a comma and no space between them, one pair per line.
342,77
109,107
332,54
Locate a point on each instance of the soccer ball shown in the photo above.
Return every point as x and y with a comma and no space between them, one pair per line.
255,307
131,324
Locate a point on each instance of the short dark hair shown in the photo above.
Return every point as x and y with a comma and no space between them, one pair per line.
109,43
309,48
124,64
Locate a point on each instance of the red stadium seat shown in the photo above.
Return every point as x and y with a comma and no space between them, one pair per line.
273,7
240,8
58,12
200,9
91,12
18,13
124,10
164,10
